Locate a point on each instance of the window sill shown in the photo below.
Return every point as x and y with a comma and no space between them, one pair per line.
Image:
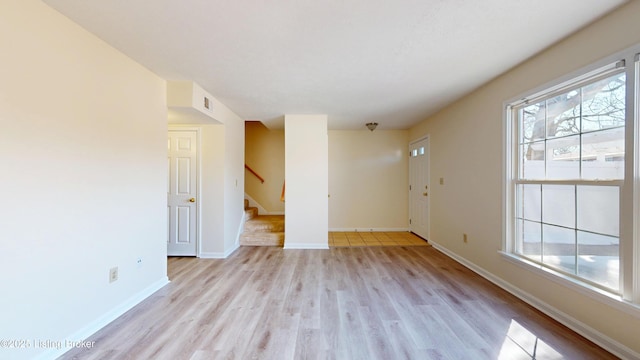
597,294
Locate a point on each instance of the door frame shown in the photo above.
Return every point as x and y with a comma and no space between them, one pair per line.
197,130
428,157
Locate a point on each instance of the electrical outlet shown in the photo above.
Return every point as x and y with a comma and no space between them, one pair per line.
113,274
464,238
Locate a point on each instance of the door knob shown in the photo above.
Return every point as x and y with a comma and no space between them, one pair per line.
192,200
425,194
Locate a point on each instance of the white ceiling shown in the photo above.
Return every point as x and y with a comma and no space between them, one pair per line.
392,62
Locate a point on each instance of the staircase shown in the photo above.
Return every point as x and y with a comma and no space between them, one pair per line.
261,230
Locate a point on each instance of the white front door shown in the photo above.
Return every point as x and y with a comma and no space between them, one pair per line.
182,193
419,190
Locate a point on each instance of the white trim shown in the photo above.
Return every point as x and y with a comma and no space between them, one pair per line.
419,139
574,83
306,246
572,323
629,188
370,229
212,255
104,320
572,75
507,178
597,294
219,255
635,286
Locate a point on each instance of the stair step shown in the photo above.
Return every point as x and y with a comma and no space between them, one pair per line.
265,223
262,239
250,212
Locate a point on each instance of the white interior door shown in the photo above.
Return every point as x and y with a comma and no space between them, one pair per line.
182,193
419,190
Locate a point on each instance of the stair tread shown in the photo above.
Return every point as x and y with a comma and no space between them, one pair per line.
262,230
271,217
262,239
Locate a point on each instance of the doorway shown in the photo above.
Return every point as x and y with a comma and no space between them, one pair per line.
182,196
419,190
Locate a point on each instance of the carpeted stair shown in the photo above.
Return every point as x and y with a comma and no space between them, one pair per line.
262,230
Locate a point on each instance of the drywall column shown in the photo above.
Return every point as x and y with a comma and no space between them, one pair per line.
307,178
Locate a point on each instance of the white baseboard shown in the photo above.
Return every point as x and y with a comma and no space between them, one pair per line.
219,255
233,249
106,319
572,323
369,229
211,255
309,246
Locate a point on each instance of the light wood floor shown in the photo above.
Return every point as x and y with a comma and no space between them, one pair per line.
359,238
408,302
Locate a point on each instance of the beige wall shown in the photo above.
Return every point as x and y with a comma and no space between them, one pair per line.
368,176
83,150
466,150
306,163
368,180
265,154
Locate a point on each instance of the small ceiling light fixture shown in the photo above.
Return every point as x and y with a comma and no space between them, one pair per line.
372,126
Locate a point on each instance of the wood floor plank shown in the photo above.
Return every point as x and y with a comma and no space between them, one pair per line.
402,302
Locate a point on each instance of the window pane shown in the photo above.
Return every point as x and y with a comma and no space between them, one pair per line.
563,155
599,259
558,205
604,103
532,161
598,209
532,122
603,154
559,248
563,114
530,239
530,207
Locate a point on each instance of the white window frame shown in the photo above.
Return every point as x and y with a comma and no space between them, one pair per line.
629,292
